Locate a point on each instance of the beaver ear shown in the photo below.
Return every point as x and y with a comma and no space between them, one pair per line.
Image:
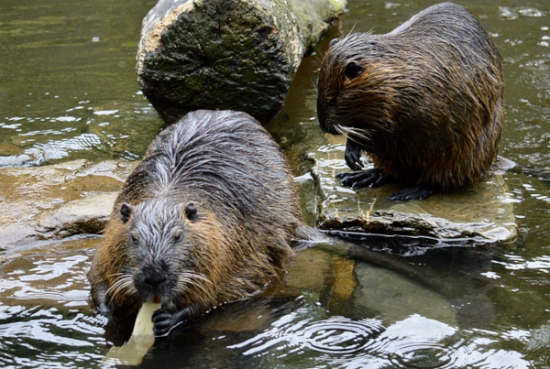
125,212
191,211
353,70
333,42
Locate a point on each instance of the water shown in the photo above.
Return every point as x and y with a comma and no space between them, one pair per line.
68,90
68,87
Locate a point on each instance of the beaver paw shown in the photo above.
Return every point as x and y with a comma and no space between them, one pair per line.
353,155
419,192
367,178
164,321
104,309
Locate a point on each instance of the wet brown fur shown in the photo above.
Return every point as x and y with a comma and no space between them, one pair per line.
428,106
229,168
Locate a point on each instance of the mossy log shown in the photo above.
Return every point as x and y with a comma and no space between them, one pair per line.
227,54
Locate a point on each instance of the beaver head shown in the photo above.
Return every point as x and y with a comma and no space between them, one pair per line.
363,87
164,253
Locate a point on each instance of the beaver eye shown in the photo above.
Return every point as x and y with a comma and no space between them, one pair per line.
353,70
191,211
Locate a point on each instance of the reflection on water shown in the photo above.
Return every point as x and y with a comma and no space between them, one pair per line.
44,316
83,132
336,335
341,336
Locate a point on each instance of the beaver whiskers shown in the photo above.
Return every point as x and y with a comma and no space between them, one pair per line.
356,134
188,280
123,283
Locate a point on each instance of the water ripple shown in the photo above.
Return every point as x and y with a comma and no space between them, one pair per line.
424,355
339,335
336,335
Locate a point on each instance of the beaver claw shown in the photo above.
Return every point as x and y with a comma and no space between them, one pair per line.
419,192
368,178
164,321
353,155
376,177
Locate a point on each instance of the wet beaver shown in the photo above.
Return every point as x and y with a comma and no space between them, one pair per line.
206,218
425,101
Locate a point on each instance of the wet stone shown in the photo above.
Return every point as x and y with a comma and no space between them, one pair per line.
57,201
87,215
481,215
300,274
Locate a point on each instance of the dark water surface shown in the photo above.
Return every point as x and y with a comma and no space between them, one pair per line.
67,83
68,90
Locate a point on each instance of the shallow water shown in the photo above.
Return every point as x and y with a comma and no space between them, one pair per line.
68,90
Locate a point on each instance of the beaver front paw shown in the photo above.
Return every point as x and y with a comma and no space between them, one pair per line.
367,178
164,321
353,154
105,309
419,192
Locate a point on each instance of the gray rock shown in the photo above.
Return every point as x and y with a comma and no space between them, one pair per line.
480,215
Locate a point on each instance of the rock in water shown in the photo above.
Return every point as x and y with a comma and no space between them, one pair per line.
483,215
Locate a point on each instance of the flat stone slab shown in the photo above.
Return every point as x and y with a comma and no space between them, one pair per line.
57,201
480,215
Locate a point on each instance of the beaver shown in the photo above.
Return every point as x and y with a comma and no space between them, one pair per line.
424,101
207,217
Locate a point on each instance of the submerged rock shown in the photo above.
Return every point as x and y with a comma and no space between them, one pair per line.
396,297
480,215
57,201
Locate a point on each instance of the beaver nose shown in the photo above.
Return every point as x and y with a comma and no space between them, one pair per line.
323,113
154,280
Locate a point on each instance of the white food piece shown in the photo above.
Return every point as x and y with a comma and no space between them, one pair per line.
133,351
144,324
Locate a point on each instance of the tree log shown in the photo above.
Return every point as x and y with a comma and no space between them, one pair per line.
227,54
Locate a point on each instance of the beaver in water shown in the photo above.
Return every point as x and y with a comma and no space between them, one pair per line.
206,218
424,101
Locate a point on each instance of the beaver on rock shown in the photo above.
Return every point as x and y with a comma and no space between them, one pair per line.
206,218
424,101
